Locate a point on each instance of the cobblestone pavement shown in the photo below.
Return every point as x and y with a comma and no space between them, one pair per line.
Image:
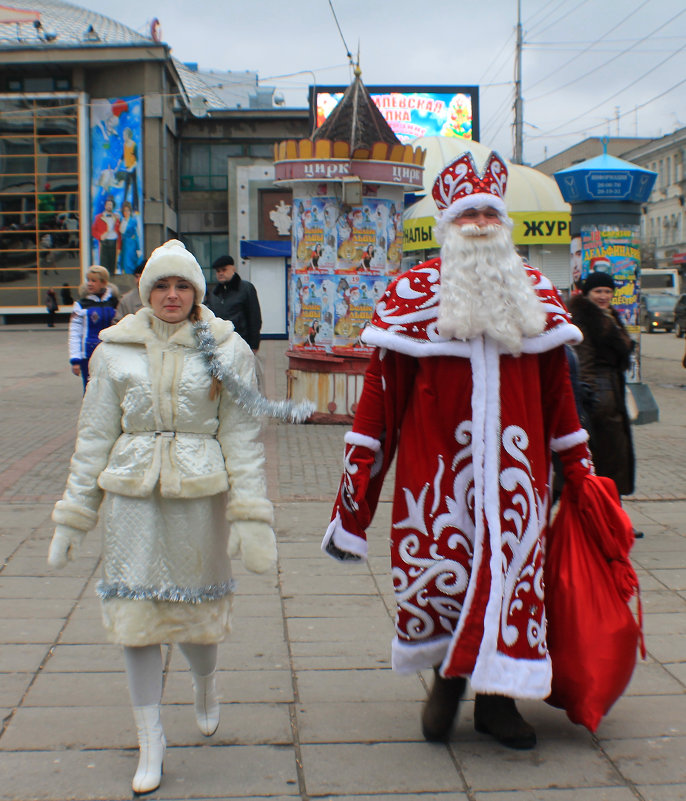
310,706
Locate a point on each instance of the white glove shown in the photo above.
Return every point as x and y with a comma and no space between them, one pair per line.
64,546
256,543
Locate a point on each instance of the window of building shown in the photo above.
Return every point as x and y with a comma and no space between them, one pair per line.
261,151
204,165
39,198
206,248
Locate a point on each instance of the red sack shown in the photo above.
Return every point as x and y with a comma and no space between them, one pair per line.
592,633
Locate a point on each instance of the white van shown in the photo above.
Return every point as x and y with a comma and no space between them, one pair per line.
660,279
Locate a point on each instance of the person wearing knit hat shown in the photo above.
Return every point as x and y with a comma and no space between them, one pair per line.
598,279
604,356
171,259
168,455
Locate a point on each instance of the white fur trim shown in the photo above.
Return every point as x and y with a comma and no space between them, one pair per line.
562,334
489,430
68,514
569,440
478,421
142,622
479,200
259,509
353,438
344,540
516,678
171,259
399,343
411,657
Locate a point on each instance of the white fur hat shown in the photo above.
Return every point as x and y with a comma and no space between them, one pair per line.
171,259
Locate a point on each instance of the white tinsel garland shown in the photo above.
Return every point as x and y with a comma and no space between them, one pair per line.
245,396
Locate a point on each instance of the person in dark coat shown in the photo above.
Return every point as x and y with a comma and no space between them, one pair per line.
233,298
51,306
604,356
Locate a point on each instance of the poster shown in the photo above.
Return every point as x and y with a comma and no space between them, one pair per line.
312,303
355,298
117,184
328,236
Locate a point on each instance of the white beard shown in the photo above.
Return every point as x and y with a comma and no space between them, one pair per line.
485,289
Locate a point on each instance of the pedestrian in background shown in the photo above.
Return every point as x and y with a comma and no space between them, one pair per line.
167,456
233,298
131,301
91,313
604,356
65,294
51,306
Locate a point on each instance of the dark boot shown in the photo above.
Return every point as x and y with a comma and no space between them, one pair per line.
441,707
497,715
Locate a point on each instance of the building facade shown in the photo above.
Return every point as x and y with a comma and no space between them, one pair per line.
663,216
109,146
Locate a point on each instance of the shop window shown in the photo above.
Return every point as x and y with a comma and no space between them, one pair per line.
39,198
206,248
261,151
204,165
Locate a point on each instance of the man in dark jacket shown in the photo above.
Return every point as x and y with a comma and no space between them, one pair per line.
236,299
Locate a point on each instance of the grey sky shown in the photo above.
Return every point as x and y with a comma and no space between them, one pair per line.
585,61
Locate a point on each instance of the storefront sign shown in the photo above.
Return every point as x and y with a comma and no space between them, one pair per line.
379,172
531,228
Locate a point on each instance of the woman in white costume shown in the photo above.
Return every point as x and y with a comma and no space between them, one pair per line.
166,454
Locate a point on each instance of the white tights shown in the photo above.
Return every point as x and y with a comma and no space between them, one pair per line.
144,669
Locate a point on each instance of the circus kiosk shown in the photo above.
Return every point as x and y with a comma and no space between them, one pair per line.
348,182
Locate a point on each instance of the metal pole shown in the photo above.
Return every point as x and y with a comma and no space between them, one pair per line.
518,155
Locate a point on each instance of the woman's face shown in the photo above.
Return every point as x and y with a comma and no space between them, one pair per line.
601,296
172,299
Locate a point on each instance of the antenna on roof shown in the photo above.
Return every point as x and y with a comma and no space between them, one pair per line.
349,55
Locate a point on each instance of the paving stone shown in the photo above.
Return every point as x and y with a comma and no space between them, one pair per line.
555,763
359,722
24,630
357,685
642,760
346,768
78,689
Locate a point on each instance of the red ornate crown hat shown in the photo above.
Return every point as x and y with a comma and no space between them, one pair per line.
459,186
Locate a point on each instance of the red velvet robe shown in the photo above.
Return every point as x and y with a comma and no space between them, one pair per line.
473,428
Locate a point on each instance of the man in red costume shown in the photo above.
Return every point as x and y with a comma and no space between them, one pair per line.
469,387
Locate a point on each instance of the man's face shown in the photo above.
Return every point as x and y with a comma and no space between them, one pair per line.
575,257
482,218
109,205
225,273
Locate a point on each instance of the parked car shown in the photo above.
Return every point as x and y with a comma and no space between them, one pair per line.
680,316
657,311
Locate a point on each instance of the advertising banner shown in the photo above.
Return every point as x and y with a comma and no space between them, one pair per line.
116,134
415,111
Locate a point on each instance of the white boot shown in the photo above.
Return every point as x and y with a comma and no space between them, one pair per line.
152,744
206,703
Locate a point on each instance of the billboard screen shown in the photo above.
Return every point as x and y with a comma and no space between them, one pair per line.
412,111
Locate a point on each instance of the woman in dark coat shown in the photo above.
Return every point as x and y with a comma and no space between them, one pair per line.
603,359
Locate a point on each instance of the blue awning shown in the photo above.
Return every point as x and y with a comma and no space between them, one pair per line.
265,248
